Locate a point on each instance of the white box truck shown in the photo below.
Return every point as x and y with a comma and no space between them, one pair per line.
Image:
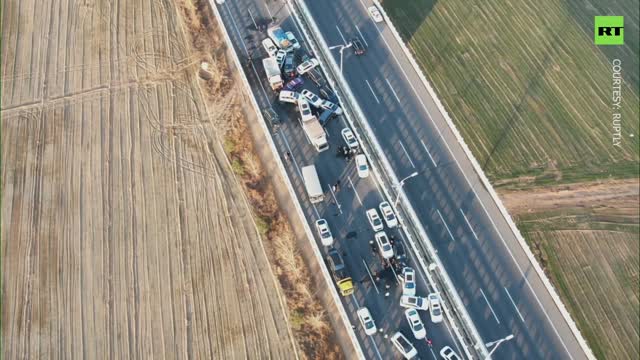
312,184
272,70
315,133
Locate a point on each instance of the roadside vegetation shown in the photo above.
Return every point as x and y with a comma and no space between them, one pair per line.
307,318
531,95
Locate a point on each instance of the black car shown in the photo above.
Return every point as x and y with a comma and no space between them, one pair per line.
327,93
399,250
272,118
357,46
289,65
336,264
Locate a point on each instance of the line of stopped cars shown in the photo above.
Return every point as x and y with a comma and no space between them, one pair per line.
286,67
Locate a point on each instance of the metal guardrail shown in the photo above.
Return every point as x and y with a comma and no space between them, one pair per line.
457,315
292,193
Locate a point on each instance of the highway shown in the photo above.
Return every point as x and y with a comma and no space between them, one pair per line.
345,208
490,271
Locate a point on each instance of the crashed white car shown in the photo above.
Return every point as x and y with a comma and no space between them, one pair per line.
417,327
386,250
408,281
414,302
388,215
349,138
312,98
374,220
362,166
328,105
323,231
435,308
367,322
269,47
307,66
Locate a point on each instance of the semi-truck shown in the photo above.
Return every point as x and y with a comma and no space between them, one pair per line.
315,133
279,37
312,184
272,70
339,272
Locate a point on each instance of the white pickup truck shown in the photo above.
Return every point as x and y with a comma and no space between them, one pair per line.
312,127
272,70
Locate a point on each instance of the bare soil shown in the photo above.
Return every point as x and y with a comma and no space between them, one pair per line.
615,195
586,237
124,231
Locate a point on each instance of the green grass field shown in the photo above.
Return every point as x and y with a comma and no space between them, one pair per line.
531,95
595,269
526,86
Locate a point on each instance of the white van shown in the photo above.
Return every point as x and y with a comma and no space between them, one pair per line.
312,184
287,96
269,47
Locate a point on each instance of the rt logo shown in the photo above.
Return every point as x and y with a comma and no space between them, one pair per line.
609,30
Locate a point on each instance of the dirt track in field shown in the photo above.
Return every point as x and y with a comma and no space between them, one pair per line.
124,232
620,196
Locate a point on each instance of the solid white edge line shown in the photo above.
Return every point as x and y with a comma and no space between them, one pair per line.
374,94
407,154
445,225
514,304
488,304
428,153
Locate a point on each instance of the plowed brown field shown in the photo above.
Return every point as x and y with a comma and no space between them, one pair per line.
124,231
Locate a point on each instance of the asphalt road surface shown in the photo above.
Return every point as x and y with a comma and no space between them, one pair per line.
494,278
344,209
